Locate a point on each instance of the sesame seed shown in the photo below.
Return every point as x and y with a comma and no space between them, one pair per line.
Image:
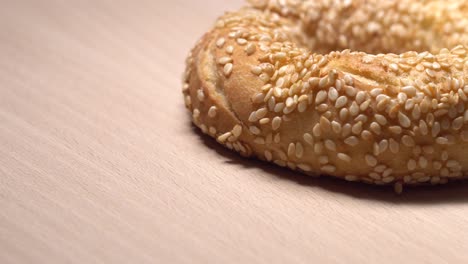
444,155
196,113
304,167
323,160
388,179
344,157
224,60
271,103
204,128
227,69
336,127
357,128
279,107
408,141
354,109
407,178
380,119
430,73
370,160
435,129
237,130
348,79
374,176
442,140
258,98
323,82
322,61
212,131
424,179
188,101
268,155
365,105
291,150
264,121
289,102
328,168
241,41
341,101
376,91
375,128
250,49
395,129
224,137
351,178
316,130
229,50
276,123
322,107
452,164
299,150
344,114
318,147
257,70
252,117
264,77
360,97
352,141
254,130
350,91
435,180
302,106
332,94
457,124
411,165
394,146
308,139
404,120
383,146
409,90
259,140
288,110
422,162
277,138
212,111
220,42
200,95
464,136
330,145
444,172
280,163
387,172
260,113
321,96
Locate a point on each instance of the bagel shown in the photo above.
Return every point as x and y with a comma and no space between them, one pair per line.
365,90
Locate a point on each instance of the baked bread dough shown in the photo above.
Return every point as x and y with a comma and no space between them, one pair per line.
364,90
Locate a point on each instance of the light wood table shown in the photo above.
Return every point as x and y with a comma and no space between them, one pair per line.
99,162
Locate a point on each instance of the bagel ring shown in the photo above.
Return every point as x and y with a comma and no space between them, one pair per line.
364,90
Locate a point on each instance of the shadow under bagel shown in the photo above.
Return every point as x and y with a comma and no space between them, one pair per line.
452,192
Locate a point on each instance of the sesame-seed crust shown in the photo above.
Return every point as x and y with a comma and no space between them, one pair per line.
371,91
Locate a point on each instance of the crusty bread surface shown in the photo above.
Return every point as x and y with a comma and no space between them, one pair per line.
371,91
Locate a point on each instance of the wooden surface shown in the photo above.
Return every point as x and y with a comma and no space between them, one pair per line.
99,162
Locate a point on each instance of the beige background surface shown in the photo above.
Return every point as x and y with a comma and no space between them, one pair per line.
99,162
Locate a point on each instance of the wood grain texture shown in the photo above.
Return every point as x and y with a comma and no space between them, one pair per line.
99,162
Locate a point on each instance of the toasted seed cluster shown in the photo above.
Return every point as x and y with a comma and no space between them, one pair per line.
280,80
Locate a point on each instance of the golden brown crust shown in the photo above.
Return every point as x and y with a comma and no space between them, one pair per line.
255,85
